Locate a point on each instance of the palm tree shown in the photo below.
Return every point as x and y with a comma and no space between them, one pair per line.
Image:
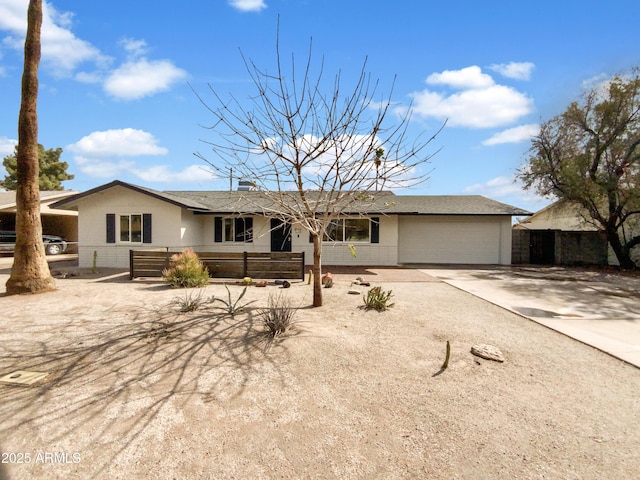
30,272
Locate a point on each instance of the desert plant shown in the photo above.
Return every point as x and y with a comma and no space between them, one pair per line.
232,306
377,299
190,302
186,270
277,318
446,358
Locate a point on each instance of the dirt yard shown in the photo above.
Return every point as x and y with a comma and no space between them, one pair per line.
137,390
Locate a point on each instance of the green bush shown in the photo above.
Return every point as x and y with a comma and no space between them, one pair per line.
186,270
377,299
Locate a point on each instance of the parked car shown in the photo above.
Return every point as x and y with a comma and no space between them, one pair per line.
53,245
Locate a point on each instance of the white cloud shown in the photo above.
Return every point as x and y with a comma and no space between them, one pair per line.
508,190
163,174
88,77
62,51
99,168
7,146
496,187
514,135
248,5
480,103
107,154
126,142
134,47
515,70
469,77
141,78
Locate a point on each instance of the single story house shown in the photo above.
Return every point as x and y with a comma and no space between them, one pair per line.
392,230
63,223
559,234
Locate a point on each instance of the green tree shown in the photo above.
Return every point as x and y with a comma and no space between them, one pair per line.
52,171
590,156
30,272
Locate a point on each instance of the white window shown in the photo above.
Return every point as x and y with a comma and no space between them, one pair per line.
238,230
130,228
350,230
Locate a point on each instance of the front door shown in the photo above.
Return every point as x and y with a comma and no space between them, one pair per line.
280,236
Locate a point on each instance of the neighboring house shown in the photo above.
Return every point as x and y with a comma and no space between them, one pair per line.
559,234
54,222
395,229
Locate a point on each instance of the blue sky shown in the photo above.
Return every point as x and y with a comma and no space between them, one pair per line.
116,76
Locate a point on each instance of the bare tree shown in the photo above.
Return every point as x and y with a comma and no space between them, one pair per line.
30,272
313,151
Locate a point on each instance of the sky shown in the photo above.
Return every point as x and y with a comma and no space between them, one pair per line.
120,80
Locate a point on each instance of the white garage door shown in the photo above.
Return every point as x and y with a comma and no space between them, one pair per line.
448,240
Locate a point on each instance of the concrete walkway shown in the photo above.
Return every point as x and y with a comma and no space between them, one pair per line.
597,308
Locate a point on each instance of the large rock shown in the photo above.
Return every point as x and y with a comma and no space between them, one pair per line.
487,351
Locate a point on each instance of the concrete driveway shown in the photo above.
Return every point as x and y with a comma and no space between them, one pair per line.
599,308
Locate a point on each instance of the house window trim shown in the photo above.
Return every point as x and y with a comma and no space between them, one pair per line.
362,242
233,220
118,225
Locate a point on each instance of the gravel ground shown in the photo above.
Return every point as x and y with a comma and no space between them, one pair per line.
137,390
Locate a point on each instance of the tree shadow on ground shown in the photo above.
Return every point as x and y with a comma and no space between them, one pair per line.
157,358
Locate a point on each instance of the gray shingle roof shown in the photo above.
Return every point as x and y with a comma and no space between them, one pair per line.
382,202
235,202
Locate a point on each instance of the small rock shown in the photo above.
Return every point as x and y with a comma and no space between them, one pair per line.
488,352
353,292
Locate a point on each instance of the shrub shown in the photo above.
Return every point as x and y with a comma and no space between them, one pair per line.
191,301
232,307
277,318
377,299
186,270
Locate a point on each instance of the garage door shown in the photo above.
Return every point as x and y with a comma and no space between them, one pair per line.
444,240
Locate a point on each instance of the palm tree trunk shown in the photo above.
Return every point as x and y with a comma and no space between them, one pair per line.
30,272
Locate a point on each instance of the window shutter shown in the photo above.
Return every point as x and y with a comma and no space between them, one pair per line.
375,230
217,229
146,228
111,228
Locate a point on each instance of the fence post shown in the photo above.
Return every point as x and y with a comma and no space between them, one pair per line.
245,264
302,266
130,264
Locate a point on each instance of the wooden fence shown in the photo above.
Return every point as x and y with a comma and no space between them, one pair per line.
148,263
